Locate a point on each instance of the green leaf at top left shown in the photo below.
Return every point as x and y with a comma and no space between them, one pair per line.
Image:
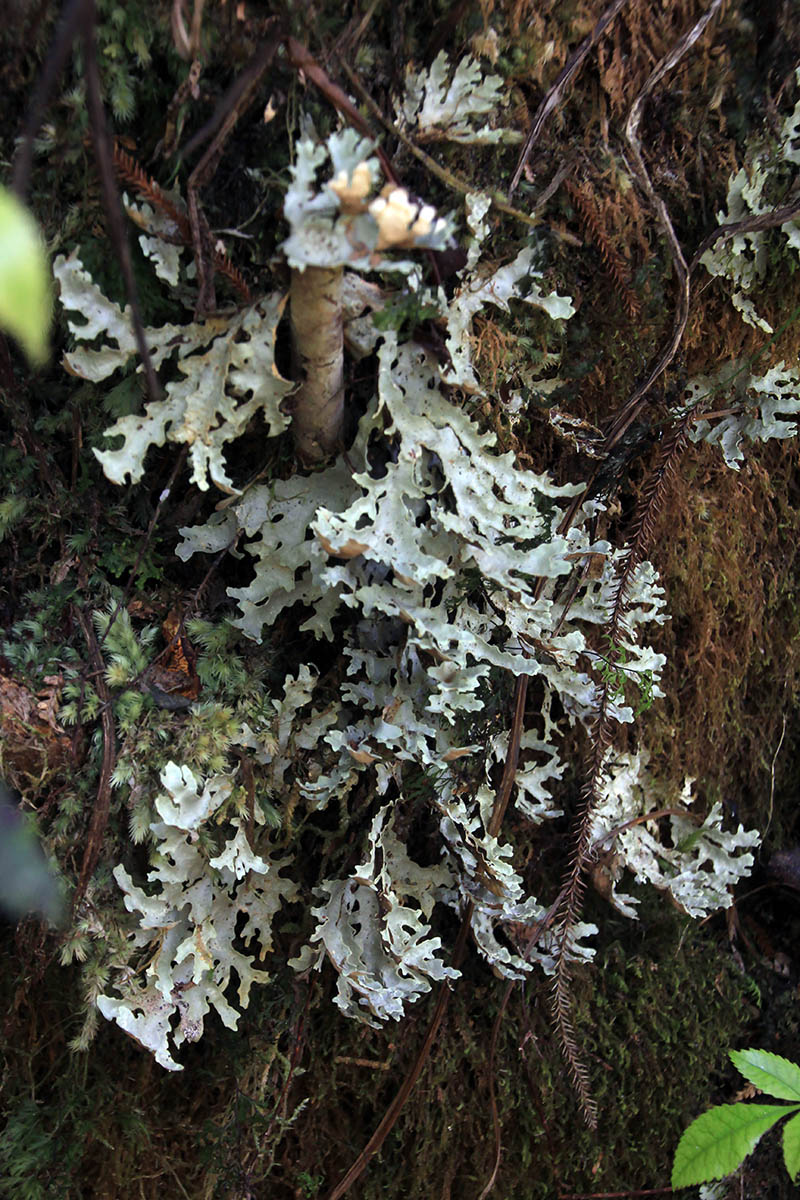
25,299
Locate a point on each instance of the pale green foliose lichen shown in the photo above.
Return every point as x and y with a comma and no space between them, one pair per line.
758,402
743,259
446,104
189,920
436,565
699,863
228,374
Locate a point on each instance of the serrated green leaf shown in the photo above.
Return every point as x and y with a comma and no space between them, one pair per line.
791,1146
718,1142
771,1074
25,304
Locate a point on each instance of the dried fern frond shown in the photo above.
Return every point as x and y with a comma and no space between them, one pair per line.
131,172
600,740
613,261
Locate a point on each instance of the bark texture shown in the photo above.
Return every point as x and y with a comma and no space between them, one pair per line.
317,348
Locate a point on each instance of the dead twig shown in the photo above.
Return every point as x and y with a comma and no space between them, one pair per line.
643,819
102,804
446,177
71,23
629,413
665,1191
187,44
128,169
630,410
350,37
113,203
564,77
145,542
299,1041
444,28
768,220
79,21
512,757
541,925
236,103
601,734
393,1111
772,779
302,60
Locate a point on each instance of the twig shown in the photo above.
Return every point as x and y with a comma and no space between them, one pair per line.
187,44
447,177
564,77
393,1111
351,36
246,764
772,778
444,29
128,169
643,819
298,1045
71,22
512,757
768,220
113,204
303,60
538,929
235,103
102,804
79,18
600,739
665,1191
631,409
123,600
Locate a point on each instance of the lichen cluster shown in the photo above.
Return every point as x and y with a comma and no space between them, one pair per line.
434,564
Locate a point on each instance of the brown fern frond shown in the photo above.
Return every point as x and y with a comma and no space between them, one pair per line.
129,169
650,505
613,261
578,1074
569,913
224,266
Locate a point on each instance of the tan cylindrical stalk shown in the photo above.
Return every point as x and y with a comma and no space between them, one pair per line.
318,352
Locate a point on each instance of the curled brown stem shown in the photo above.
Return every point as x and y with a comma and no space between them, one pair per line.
563,79
628,414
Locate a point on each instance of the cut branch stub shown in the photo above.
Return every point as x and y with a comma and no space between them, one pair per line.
318,354
335,225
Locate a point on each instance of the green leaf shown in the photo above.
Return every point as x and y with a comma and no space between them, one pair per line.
791,1146
25,305
27,884
771,1074
717,1142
